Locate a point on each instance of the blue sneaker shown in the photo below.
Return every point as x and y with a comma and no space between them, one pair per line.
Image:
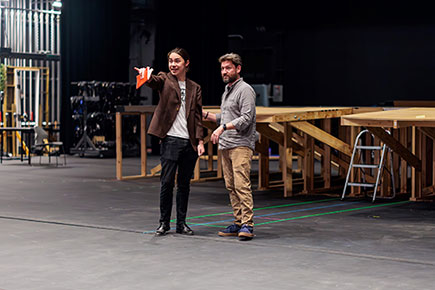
246,233
232,230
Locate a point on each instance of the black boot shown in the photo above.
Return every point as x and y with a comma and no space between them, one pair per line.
162,229
184,229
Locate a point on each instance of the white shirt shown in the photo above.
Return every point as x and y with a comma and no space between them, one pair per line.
179,128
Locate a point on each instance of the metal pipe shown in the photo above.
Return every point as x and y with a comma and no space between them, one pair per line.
58,72
47,32
52,49
24,16
1,28
58,93
29,23
6,28
34,10
18,39
36,19
40,32
52,90
12,34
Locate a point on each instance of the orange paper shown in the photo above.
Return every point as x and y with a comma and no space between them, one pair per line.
140,81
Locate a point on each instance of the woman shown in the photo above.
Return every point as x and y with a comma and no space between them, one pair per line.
177,122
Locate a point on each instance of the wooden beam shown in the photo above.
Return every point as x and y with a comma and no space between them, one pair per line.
275,133
428,190
396,147
336,161
308,165
323,137
355,176
287,161
325,113
156,169
409,103
263,163
403,165
118,146
415,175
143,144
209,149
263,146
428,131
326,161
270,133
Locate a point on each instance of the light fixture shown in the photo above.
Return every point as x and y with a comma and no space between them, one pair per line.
57,4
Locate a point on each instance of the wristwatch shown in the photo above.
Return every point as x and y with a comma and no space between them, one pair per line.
224,126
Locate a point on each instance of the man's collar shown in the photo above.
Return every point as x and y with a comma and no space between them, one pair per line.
229,87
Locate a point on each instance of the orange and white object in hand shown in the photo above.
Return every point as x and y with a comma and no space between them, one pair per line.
143,75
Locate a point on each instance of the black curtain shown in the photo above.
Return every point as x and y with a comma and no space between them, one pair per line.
94,46
201,28
338,52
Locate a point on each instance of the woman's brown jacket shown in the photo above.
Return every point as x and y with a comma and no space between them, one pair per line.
169,104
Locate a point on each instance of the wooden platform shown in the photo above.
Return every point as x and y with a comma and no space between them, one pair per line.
393,118
410,133
294,129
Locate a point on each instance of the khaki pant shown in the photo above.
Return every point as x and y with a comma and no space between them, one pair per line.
236,164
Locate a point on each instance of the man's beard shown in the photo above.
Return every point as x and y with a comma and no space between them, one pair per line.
229,79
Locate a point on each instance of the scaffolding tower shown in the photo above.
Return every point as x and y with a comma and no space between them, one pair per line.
30,51
30,37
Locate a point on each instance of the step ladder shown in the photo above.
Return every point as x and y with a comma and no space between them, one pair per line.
365,166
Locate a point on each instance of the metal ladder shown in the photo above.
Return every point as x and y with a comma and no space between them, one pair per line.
358,147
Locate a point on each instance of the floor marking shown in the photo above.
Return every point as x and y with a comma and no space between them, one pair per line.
301,217
69,224
212,224
332,212
271,214
262,208
266,218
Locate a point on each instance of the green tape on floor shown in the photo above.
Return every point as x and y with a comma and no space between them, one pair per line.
332,212
262,208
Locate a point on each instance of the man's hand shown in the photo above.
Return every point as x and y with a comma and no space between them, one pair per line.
216,134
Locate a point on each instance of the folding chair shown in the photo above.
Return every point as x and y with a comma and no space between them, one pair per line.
43,146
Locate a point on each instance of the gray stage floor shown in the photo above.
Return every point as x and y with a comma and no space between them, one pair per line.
76,227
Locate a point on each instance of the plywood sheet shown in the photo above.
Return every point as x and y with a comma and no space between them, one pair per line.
395,118
290,114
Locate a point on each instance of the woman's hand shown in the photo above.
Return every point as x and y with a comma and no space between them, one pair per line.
144,70
200,148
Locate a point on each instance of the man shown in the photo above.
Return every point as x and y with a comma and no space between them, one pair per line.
236,136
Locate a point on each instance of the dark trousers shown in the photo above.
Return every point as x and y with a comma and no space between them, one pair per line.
176,153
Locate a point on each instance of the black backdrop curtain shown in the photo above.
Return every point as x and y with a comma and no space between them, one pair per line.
94,46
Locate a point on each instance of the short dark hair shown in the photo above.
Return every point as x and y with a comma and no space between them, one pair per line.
181,52
233,57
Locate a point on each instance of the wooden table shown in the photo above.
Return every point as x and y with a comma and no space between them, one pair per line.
142,111
414,126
